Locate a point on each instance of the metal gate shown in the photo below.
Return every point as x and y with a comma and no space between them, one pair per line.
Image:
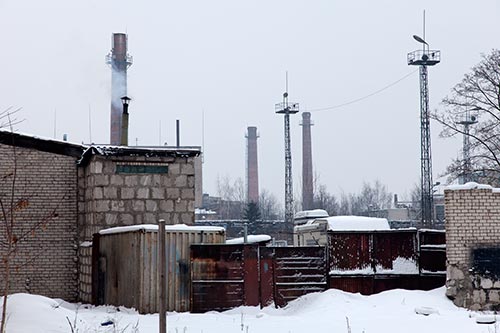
227,276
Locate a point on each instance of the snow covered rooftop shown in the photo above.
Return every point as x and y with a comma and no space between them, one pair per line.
311,214
472,186
85,151
250,239
354,223
203,211
154,228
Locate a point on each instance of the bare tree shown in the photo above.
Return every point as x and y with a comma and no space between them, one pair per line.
373,197
478,94
324,200
232,195
270,208
8,118
345,205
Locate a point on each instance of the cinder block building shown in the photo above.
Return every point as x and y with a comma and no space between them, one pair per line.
60,194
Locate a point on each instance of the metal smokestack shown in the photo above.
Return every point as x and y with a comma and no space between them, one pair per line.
124,132
120,61
307,173
252,165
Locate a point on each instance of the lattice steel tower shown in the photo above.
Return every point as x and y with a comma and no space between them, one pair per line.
468,120
287,109
424,58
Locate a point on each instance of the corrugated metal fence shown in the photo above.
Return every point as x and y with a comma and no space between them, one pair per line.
370,262
226,276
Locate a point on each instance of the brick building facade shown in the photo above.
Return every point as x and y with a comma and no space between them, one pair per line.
473,245
69,192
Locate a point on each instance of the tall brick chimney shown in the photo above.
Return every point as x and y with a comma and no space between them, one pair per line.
307,172
252,165
119,61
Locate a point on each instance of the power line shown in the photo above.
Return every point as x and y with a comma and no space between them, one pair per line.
364,97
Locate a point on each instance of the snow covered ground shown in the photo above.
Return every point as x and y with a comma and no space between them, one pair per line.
330,311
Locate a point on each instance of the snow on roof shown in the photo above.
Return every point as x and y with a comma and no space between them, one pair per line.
154,228
250,239
203,211
472,186
314,213
41,137
353,223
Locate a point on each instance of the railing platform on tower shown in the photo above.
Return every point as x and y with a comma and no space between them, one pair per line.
284,107
424,57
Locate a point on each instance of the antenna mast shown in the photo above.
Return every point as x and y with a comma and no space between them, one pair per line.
286,109
466,175
424,58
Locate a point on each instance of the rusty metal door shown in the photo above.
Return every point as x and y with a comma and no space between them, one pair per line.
287,273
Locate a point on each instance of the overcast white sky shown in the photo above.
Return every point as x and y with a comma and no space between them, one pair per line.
229,59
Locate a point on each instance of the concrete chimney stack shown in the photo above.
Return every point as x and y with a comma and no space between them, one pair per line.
307,172
119,61
252,165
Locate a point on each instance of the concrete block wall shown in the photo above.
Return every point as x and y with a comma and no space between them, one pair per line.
119,199
45,261
472,222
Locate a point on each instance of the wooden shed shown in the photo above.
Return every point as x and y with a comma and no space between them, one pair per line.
125,265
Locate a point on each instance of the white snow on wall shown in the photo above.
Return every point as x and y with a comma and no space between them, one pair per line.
250,239
358,271
154,227
314,213
355,223
472,186
399,266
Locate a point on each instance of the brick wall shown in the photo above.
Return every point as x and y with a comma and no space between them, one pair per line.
45,261
472,222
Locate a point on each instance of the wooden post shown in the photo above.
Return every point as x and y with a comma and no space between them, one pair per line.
162,268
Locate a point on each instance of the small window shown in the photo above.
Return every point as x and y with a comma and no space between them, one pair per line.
141,168
486,261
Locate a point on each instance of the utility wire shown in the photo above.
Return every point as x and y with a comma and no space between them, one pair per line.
364,97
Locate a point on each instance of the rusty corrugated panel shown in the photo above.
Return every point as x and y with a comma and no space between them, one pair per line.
353,284
349,252
395,252
432,253
266,275
389,282
298,271
251,274
432,237
429,282
218,275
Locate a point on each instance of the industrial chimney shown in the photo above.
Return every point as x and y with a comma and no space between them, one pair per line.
120,61
252,165
307,174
